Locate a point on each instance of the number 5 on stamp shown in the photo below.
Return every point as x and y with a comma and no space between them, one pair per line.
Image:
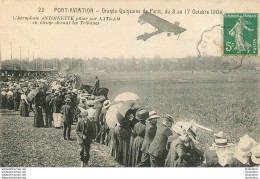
240,33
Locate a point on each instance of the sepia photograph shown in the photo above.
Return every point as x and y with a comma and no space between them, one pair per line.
144,84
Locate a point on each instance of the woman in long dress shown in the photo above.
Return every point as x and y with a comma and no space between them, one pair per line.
24,105
139,131
38,117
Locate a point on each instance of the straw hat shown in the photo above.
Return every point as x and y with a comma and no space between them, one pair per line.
152,113
142,115
155,116
245,145
221,143
107,104
256,154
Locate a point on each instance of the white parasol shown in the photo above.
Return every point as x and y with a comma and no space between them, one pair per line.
127,96
111,116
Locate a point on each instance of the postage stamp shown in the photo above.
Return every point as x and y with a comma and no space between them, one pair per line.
240,34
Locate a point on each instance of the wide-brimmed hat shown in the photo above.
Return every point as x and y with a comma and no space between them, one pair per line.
256,154
155,116
221,143
220,135
142,115
245,145
107,104
152,113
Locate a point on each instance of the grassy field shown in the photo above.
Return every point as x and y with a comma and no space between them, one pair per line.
227,102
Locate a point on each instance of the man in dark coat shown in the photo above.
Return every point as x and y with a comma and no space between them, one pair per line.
150,131
103,133
98,107
84,131
47,109
56,104
17,98
67,112
157,149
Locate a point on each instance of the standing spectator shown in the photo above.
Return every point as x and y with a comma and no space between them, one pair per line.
67,113
157,150
91,115
98,107
17,98
56,104
24,105
3,99
150,131
10,99
38,117
84,131
48,109
139,132
123,133
102,118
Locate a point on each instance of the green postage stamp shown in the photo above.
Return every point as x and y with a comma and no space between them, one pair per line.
240,34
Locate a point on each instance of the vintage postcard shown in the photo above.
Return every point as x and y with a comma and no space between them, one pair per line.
137,83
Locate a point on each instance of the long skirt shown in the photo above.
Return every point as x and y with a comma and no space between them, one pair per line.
123,135
57,119
113,144
136,150
24,109
38,117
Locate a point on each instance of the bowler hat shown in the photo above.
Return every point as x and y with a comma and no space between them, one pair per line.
142,114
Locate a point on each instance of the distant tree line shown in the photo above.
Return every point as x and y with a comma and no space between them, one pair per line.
78,65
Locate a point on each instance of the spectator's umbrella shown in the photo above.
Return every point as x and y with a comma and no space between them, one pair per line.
116,112
127,96
111,116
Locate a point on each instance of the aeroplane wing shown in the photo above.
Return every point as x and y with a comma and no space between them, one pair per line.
160,23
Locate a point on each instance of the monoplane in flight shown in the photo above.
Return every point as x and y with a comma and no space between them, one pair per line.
160,25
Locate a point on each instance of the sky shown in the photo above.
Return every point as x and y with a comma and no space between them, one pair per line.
112,39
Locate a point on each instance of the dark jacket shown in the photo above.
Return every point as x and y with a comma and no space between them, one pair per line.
56,104
102,116
98,107
150,131
67,112
17,96
86,129
158,146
